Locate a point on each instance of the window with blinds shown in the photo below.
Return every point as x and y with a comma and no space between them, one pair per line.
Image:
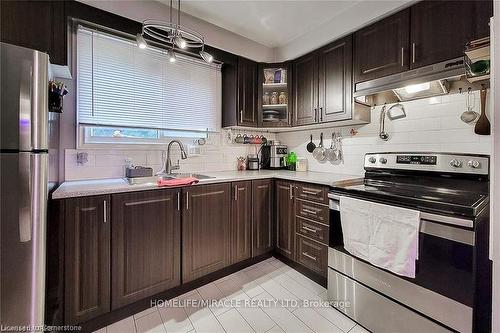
122,86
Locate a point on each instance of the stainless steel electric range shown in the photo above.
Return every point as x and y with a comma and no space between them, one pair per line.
451,290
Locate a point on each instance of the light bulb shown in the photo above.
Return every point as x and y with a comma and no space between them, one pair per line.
206,56
171,56
141,42
180,42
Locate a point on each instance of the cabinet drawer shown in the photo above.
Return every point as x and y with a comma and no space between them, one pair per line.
312,230
312,255
311,192
312,211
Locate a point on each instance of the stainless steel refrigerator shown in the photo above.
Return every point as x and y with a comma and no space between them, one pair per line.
24,184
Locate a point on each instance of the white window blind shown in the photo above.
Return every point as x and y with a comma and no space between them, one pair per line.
123,86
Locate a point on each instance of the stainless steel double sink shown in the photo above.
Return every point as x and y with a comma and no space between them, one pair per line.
154,179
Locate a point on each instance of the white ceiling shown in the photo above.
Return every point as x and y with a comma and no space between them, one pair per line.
272,23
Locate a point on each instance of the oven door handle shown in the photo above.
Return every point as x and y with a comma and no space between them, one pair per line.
334,204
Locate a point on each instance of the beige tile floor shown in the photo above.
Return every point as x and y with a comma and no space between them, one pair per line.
248,302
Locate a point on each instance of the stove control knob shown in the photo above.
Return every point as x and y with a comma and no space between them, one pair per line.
372,159
456,163
473,164
383,160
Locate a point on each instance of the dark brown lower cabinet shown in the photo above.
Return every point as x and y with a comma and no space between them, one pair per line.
312,254
285,218
205,230
146,232
241,221
263,216
87,258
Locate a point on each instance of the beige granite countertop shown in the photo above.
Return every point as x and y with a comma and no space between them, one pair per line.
82,188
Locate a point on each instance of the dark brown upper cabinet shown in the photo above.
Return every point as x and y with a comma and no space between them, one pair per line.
305,90
87,258
335,81
38,25
205,230
146,232
382,48
323,84
285,218
440,29
241,221
247,92
263,217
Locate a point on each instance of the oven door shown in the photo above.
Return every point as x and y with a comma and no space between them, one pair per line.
443,288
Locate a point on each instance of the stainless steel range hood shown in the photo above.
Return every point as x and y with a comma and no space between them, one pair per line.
428,81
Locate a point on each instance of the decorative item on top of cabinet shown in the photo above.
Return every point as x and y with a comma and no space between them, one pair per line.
381,48
205,231
87,259
263,216
285,216
146,232
241,221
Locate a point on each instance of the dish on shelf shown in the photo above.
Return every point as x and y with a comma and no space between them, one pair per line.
270,119
274,105
270,112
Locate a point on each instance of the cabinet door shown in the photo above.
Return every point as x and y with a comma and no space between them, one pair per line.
382,48
335,81
440,29
305,90
241,221
247,92
87,258
205,230
146,244
38,25
285,219
263,203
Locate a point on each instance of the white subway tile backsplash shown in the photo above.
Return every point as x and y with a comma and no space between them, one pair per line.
431,125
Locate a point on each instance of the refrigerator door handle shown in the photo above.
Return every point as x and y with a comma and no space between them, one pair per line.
25,198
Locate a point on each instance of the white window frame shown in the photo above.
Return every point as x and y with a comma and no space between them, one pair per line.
84,139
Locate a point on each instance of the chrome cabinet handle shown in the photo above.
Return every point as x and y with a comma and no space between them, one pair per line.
402,57
321,113
241,116
305,254
291,191
105,210
309,229
187,200
309,211
235,192
179,200
413,57
309,192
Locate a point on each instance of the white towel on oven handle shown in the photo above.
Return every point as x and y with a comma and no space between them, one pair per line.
386,236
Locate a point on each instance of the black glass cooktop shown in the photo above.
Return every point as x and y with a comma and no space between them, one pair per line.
432,194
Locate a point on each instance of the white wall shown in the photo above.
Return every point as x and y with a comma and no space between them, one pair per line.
431,125
139,10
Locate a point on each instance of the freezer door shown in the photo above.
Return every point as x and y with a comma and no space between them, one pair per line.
24,96
22,248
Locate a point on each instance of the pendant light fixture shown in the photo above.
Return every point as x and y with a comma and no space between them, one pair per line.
173,35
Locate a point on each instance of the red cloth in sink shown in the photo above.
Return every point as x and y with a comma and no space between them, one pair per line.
178,181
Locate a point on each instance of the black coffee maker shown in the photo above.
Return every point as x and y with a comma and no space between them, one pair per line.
273,154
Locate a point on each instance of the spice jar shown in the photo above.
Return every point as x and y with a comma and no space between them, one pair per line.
266,98
274,98
282,98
